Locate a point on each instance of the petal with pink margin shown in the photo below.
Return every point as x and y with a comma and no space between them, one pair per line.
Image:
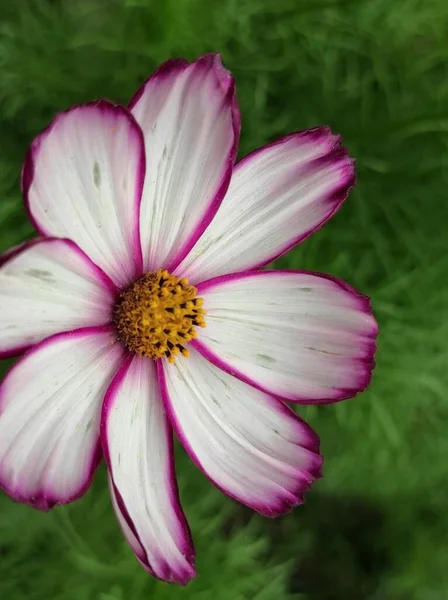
190,119
11,252
83,180
48,286
251,445
50,409
305,337
137,443
278,196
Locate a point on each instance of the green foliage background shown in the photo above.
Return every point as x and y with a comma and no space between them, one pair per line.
376,71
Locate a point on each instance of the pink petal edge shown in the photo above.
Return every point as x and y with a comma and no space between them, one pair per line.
336,199
46,500
174,490
16,250
367,361
280,506
226,81
28,169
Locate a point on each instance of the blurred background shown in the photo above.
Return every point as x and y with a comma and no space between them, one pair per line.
376,526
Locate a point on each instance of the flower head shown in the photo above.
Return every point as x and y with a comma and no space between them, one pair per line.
143,310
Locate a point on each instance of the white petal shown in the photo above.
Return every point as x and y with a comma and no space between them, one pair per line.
301,336
46,287
50,408
11,252
126,527
248,443
278,196
137,442
190,120
83,180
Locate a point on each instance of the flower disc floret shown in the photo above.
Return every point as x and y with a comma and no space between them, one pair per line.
157,315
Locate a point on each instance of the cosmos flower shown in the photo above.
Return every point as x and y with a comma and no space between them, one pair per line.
142,309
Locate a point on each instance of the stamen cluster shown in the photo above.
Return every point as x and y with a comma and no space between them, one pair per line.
157,315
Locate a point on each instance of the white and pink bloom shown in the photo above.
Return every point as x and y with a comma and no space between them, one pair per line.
142,309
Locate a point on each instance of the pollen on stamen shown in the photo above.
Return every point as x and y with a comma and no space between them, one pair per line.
157,315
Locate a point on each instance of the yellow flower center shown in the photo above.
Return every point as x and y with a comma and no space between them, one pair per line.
157,315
